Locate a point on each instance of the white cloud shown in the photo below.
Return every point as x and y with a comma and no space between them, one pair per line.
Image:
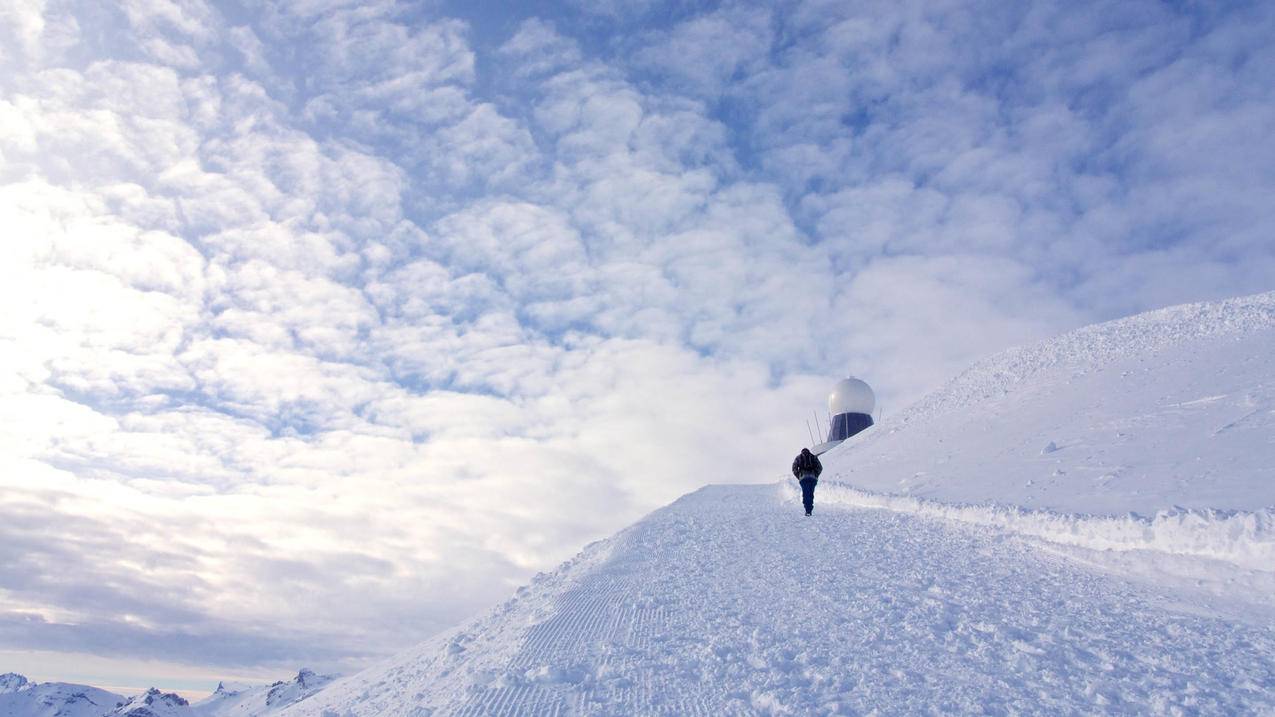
322,306
32,32
706,54
537,49
366,59
172,32
482,147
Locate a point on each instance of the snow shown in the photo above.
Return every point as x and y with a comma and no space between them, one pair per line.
12,682
731,602
257,701
1245,539
152,703
1166,410
20,698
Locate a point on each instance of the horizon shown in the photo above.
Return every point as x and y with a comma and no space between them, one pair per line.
331,324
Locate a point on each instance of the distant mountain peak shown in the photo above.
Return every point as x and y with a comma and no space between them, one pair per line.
20,697
152,703
12,682
306,683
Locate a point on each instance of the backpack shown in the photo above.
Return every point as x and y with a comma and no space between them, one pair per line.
807,463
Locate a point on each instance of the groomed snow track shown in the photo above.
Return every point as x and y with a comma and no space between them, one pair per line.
729,601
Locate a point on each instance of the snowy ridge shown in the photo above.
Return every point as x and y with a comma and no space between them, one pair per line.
730,602
152,703
237,700
12,682
1174,407
1096,345
486,656
22,698
1245,539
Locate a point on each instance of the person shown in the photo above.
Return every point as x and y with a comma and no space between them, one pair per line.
807,468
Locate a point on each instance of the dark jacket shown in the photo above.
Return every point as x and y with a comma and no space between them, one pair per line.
806,462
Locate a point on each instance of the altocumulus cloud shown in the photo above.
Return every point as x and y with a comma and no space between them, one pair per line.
327,323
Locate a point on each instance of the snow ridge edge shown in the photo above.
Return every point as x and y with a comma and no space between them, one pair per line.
1245,539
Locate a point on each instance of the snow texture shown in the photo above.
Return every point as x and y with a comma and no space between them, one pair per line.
1172,410
1243,538
731,602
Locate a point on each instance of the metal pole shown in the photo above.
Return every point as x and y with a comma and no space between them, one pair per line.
812,436
817,424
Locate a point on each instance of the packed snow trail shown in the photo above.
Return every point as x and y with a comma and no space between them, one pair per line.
730,601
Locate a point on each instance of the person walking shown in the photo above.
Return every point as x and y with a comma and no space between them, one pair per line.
806,467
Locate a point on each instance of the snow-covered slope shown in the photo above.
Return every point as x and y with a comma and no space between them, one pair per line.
1174,407
986,584
20,698
730,601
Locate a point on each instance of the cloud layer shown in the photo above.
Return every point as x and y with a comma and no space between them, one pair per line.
327,323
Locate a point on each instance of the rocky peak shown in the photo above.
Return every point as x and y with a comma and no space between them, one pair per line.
12,682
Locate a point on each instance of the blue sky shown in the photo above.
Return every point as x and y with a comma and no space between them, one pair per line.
329,323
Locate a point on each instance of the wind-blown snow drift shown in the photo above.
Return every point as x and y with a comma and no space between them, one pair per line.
1243,538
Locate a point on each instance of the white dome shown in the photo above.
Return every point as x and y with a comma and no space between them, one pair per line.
851,395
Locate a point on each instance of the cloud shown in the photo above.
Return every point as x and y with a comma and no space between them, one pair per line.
705,54
483,147
32,32
327,325
538,49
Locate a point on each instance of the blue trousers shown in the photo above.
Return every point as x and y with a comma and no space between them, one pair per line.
808,483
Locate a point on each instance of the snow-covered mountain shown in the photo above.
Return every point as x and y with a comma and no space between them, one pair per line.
260,700
22,698
152,703
12,682
975,553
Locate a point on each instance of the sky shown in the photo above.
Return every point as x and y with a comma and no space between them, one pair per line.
327,323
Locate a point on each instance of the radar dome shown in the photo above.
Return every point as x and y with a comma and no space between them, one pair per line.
851,395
